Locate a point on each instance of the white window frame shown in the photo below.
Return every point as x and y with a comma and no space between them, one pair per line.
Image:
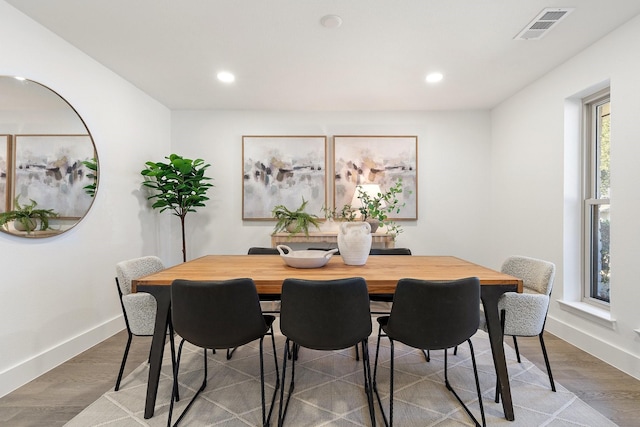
591,200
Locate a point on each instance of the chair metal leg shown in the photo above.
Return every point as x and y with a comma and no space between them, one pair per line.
179,354
515,347
392,366
387,422
502,320
264,412
282,411
475,372
124,360
202,387
287,355
275,358
368,387
173,359
275,390
357,353
546,361
230,352
292,352
176,368
375,364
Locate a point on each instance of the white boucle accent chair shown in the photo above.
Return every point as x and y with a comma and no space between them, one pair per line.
139,308
524,315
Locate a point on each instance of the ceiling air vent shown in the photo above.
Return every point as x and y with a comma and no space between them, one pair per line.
542,23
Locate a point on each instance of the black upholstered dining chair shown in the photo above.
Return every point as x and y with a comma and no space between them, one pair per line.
376,251
390,251
274,299
325,315
257,250
386,298
220,315
430,315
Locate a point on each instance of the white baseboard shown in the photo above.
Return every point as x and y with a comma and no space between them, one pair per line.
20,374
613,355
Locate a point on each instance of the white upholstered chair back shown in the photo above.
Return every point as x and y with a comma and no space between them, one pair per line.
536,274
140,308
135,268
525,313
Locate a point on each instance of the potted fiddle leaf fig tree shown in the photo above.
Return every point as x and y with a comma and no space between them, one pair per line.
179,185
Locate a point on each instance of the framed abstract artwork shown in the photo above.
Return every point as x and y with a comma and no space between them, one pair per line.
381,160
5,155
283,170
49,170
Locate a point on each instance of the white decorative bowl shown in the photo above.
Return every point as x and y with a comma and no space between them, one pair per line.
305,258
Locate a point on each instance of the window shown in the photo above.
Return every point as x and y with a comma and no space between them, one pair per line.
596,221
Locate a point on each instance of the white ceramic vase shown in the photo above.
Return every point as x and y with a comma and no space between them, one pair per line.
354,242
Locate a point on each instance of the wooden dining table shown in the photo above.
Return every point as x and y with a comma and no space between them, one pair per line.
380,272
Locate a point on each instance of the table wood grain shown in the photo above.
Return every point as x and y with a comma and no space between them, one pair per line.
381,272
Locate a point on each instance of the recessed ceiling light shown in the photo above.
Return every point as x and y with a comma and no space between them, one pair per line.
331,21
434,77
226,77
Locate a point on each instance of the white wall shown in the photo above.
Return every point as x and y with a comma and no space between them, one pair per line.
535,199
57,295
453,158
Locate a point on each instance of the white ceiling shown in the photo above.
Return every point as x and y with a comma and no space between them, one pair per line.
284,59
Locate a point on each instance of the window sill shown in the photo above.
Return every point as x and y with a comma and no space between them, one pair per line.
588,311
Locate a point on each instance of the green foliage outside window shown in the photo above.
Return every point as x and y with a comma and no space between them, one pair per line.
605,270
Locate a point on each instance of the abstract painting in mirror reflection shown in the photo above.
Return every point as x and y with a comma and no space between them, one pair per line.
4,156
49,170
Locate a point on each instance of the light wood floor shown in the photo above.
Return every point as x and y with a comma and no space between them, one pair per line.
60,394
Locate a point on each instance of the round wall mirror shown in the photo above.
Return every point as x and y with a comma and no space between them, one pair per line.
48,161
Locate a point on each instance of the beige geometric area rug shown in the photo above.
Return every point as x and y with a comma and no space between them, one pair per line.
329,391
